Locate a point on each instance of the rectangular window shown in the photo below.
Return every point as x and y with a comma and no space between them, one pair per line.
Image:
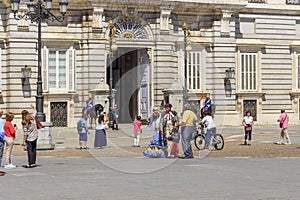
57,70
298,70
248,71
194,71
1,70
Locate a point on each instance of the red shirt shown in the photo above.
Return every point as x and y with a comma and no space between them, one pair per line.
9,130
137,126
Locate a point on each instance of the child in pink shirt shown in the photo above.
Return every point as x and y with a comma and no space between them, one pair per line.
137,131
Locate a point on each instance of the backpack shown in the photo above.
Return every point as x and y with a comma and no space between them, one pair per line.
79,125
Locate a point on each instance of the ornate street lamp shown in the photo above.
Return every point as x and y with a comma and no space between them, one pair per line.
38,13
187,48
112,48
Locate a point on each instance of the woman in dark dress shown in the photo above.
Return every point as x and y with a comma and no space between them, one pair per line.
100,135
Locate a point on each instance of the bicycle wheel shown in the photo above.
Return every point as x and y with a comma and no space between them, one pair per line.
218,142
199,142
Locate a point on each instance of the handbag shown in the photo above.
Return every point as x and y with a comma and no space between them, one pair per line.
248,127
175,136
39,125
281,123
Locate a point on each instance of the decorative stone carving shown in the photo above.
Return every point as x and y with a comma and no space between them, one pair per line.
225,20
164,20
97,20
129,28
23,25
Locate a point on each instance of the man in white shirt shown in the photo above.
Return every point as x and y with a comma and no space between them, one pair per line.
210,128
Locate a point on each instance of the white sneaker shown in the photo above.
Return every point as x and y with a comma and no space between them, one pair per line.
10,166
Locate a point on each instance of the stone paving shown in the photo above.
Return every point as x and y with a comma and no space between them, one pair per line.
120,143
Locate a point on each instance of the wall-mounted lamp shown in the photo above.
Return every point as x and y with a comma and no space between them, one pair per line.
229,74
26,72
26,88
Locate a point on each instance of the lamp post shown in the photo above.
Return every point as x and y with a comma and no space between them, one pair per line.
38,13
112,48
187,48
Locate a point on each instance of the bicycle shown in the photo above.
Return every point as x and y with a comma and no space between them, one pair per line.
217,140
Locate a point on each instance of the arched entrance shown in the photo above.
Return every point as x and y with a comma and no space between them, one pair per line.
131,79
131,68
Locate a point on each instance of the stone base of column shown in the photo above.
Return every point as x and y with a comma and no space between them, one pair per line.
44,141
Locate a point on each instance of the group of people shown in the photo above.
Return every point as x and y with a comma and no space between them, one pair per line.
100,133
283,120
8,135
168,122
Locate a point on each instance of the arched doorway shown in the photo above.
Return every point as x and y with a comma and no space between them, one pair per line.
131,69
131,79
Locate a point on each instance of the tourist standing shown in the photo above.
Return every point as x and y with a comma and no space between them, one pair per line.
100,135
168,121
115,117
30,137
284,123
2,136
10,135
248,123
82,129
137,131
187,130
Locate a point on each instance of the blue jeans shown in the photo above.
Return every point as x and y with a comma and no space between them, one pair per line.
1,151
187,133
208,136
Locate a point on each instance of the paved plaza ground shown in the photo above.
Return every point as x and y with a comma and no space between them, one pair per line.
263,170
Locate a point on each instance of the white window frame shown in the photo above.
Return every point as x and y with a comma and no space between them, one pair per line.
70,69
248,76
195,63
297,71
1,70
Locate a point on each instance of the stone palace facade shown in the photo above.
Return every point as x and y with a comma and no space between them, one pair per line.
258,39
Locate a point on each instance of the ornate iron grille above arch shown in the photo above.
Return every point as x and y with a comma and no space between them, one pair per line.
129,28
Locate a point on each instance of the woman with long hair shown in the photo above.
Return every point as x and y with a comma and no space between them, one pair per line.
30,137
100,135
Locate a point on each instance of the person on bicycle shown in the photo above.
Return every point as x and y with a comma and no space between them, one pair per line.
187,129
210,128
